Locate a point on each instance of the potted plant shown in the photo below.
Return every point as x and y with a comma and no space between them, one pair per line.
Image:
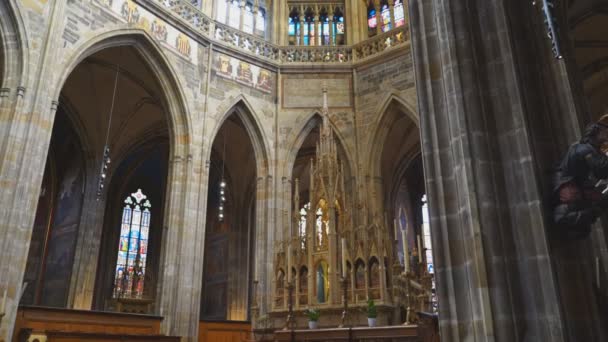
313,318
372,313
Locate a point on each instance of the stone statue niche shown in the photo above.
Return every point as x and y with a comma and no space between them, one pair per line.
311,256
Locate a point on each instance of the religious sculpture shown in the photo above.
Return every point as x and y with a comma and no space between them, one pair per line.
325,258
580,194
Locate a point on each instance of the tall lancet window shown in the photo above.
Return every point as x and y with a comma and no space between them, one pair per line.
399,13
132,247
428,247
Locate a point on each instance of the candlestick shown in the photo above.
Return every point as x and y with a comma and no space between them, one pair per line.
289,263
597,271
395,227
3,306
406,254
343,258
419,249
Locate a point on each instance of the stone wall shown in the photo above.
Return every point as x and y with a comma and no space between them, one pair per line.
45,40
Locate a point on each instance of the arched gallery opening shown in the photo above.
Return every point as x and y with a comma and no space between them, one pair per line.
230,223
398,176
97,236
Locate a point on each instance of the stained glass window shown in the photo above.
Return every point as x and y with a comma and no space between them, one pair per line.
371,19
399,13
234,15
222,8
248,18
293,31
428,246
339,30
132,247
306,31
325,31
386,18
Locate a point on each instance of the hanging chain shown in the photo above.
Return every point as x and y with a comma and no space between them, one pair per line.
222,184
105,162
548,7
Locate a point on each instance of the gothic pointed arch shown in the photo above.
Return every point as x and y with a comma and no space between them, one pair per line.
313,122
172,101
13,46
242,108
392,109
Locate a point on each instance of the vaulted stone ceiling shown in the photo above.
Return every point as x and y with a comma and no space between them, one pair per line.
138,113
588,21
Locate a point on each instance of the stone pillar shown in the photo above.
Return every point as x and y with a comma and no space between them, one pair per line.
378,16
302,23
488,88
26,122
256,9
330,18
318,26
391,7
242,14
182,252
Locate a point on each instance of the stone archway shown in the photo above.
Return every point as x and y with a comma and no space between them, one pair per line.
236,229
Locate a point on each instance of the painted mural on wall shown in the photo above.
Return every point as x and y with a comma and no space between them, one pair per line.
243,73
166,34
63,236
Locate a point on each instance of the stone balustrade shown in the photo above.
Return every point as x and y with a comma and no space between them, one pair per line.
380,43
225,35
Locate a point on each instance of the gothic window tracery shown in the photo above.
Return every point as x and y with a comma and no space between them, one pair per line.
133,247
383,17
314,26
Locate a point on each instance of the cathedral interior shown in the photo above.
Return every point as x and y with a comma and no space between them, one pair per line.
225,170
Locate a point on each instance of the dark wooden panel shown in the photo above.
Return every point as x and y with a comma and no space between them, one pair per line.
224,331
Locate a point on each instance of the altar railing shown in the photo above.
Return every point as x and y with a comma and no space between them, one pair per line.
253,45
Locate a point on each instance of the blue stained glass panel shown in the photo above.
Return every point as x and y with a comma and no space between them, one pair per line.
133,246
144,233
371,19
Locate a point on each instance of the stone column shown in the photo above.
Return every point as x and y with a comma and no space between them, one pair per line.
488,88
182,251
391,7
26,122
242,14
318,26
330,18
378,16
256,9
302,23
